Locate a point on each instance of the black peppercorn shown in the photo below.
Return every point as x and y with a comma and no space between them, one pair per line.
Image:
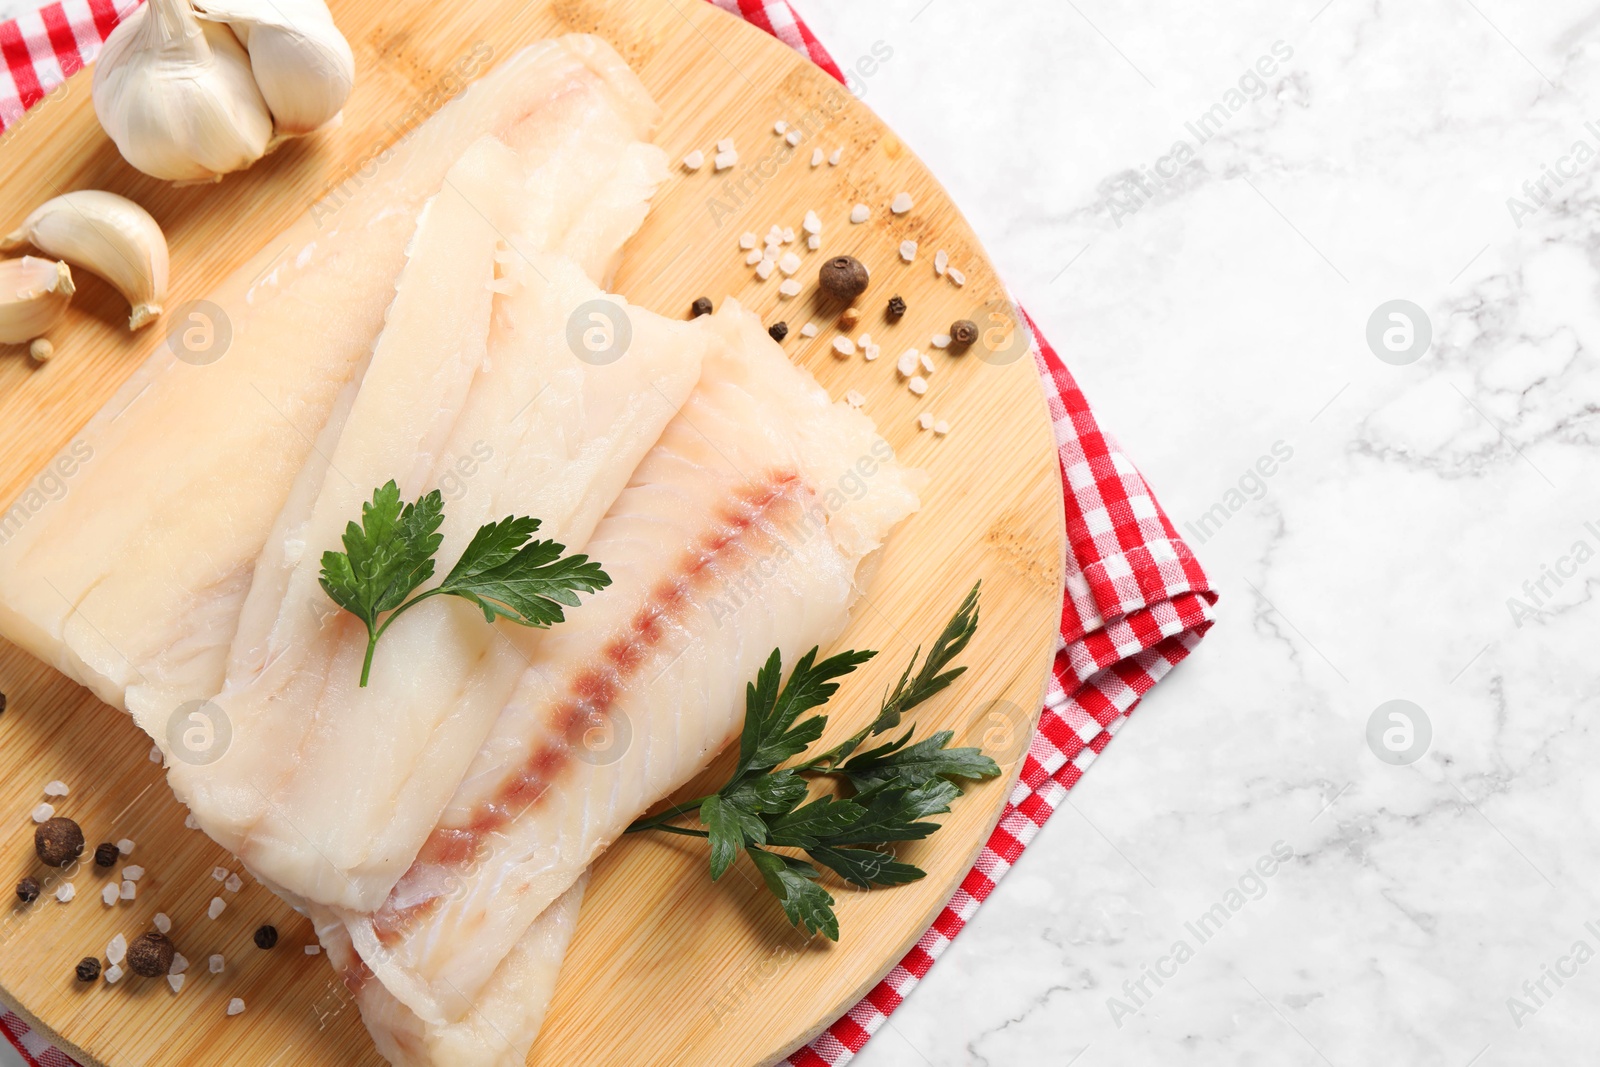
2,703
105,854
962,333
88,969
897,307
28,890
58,841
701,306
843,277
778,330
266,935
150,955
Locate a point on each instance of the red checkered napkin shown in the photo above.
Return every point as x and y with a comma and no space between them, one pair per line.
1137,601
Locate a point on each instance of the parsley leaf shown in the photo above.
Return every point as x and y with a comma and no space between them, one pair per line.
770,735
922,762
390,554
793,882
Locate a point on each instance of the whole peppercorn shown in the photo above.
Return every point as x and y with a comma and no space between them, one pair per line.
105,854
897,307
2,703
962,333
266,935
701,306
778,330
58,841
88,969
150,955
28,890
843,277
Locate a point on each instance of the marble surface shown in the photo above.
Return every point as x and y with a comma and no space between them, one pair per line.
1214,303
1220,315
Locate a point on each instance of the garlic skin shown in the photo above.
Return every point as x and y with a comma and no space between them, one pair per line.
302,63
34,294
105,234
177,97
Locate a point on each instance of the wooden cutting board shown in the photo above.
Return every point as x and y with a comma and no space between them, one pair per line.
666,968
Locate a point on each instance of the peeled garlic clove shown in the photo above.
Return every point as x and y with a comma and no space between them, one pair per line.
34,294
301,62
177,96
105,234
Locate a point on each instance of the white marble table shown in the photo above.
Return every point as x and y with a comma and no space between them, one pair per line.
1214,316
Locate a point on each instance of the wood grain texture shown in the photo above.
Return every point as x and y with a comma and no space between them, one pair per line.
666,968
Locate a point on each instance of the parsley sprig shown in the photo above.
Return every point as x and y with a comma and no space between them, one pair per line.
505,573
890,790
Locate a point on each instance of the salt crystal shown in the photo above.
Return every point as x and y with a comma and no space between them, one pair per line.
908,250
864,340
854,399
789,263
788,235
811,223
109,894
901,204
833,160
748,240
925,420
125,846
927,365
219,873
906,365
808,330
133,872
871,352
941,260
775,234
725,160
957,277
940,340
860,213
793,138
175,981
215,908
816,158
233,884
113,974
57,788
312,950
235,1006
117,950
789,287
190,822
694,160
752,257
764,269
215,963
180,963
941,427
129,890
780,127
918,385
725,145
66,892
155,753
162,923
814,242
44,812
843,346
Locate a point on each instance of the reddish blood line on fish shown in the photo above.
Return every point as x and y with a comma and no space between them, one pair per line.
594,691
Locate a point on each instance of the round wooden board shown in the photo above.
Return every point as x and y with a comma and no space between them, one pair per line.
666,968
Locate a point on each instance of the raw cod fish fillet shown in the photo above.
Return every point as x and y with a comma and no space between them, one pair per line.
328,789
742,531
132,584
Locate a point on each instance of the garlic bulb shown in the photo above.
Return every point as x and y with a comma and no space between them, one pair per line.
105,234
302,63
34,294
177,96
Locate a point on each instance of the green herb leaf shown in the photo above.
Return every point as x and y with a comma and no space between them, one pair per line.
793,882
727,829
821,819
894,812
526,583
921,762
387,556
866,867
770,735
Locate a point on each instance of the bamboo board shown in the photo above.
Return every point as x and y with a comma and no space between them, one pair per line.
666,968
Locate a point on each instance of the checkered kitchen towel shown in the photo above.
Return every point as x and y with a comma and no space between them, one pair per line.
1137,601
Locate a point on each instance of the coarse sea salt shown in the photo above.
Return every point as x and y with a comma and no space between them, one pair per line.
833,160
941,260
871,352
808,330
853,398
901,204
235,1006
814,242
110,894
918,385
215,963
129,890
843,346
816,158
725,145
940,340
133,872
175,981
957,277
752,257
789,287
780,127
219,873
725,160
694,160
811,223
906,365
162,923
180,963
925,421
155,753
764,269
57,788
941,427
927,365
215,907
793,137
44,812
117,949
233,884
313,950
908,250
860,213
125,846
113,974
789,263
66,892
748,240
190,822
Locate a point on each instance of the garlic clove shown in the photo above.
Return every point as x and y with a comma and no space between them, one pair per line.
301,62
177,96
34,294
105,234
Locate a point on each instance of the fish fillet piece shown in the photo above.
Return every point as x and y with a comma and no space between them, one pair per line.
328,788
742,531
136,577
500,1028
